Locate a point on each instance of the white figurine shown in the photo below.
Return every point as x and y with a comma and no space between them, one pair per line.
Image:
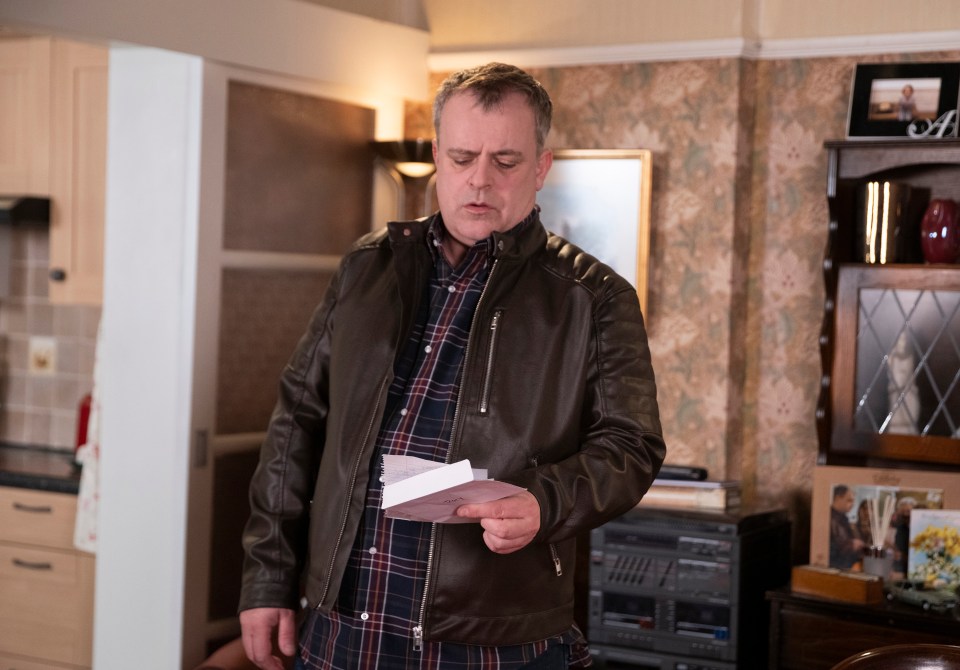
902,390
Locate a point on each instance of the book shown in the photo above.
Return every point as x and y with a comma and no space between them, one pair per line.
682,472
693,494
417,489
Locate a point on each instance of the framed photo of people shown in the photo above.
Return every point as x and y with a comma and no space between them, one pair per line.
843,498
886,98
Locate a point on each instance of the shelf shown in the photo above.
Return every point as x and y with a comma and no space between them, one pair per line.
848,434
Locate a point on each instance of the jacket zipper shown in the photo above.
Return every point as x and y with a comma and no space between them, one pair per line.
418,628
556,559
554,554
346,507
488,371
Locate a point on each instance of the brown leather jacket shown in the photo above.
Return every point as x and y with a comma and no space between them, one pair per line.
557,396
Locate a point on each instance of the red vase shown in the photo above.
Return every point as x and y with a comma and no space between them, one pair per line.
940,232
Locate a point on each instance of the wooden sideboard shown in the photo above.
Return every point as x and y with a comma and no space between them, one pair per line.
810,633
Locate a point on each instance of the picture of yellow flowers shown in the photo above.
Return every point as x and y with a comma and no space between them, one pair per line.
935,547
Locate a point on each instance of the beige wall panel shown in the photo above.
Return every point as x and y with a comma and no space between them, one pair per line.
478,24
828,18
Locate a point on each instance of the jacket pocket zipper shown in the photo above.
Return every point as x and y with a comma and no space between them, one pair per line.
556,559
488,370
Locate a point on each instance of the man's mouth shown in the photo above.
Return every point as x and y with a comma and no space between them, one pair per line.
478,207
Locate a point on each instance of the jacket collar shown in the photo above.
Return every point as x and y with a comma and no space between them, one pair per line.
520,241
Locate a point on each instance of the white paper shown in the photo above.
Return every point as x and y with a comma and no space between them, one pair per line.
420,490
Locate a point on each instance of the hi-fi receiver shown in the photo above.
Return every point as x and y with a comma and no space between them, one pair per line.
684,589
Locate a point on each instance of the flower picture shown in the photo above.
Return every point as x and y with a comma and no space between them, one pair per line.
935,547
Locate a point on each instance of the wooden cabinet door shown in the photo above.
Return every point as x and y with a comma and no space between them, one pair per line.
25,116
77,171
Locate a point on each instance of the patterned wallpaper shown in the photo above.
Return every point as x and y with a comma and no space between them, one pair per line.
739,222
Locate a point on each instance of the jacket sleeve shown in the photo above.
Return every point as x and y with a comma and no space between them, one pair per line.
275,537
621,443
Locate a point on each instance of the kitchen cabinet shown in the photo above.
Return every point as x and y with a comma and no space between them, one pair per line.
890,385
46,586
25,117
78,162
54,138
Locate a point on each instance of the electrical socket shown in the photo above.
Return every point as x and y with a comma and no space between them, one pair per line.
42,356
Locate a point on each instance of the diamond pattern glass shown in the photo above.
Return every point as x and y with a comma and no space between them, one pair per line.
908,362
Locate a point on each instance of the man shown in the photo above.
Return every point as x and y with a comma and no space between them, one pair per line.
471,334
846,547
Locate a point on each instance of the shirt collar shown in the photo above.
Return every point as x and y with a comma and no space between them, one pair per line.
437,233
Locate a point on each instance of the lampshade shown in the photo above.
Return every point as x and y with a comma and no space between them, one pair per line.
412,158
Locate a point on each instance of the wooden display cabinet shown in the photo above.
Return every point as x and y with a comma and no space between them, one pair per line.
870,305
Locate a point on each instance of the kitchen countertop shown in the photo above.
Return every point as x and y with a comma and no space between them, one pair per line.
38,468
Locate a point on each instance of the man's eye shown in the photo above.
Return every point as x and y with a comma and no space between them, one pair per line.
506,166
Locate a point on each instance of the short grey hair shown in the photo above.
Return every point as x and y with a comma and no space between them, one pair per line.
489,83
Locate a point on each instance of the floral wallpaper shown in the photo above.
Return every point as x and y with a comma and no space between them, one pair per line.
739,223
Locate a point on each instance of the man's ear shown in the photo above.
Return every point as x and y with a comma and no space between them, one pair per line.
544,162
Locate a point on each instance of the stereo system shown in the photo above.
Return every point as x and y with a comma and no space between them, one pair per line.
684,589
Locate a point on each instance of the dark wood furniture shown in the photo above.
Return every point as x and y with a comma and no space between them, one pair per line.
900,656
810,633
932,169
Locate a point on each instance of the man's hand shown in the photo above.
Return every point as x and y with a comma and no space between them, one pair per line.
509,524
258,626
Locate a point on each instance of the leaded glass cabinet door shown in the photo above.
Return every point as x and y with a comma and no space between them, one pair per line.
896,373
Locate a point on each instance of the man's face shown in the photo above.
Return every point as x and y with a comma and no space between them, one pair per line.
488,170
844,503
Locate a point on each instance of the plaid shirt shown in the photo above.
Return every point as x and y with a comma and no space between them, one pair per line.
379,603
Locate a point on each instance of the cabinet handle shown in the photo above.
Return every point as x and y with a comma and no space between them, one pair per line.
34,509
58,274
30,565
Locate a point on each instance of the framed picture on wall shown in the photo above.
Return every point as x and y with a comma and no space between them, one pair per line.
847,491
600,201
885,98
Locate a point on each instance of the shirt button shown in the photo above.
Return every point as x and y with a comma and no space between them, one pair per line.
403,412
452,288
428,348
364,616
406,232
372,550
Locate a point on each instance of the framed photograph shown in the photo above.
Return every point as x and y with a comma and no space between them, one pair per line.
600,201
935,547
886,98
842,500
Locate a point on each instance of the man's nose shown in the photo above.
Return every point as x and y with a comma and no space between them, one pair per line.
482,175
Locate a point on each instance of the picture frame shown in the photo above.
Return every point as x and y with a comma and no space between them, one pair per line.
934,558
927,488
599,200
881,107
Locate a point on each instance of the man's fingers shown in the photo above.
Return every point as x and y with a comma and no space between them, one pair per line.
257,626
287,633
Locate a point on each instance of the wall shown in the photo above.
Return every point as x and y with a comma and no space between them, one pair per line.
41,409
468,25
739,223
